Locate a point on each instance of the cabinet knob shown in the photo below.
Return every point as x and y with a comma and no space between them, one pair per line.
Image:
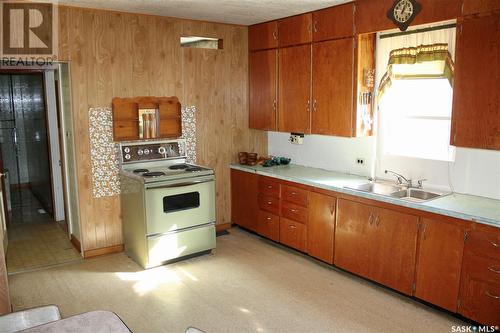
268,218
269,202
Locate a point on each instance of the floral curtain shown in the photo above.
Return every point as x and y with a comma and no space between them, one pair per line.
421,62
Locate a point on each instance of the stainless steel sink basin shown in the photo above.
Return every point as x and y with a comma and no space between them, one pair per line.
398,192
415,194
377,188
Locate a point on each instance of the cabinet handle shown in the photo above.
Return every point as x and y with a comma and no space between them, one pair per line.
495,244
315,26
269,202
308,106
268,218
491,295
332,209
269,186
294,210
293,193
377,220
491,269
274,105
370,219
314,105
275,34
292,226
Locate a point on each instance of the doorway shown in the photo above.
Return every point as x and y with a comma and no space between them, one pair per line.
31,163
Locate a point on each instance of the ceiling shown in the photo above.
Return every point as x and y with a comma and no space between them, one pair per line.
244,12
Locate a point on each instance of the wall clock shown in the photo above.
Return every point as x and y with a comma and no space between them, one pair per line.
403,12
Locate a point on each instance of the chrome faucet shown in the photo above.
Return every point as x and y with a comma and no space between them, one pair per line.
400,178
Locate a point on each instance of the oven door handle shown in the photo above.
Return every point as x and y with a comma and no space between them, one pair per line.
193,182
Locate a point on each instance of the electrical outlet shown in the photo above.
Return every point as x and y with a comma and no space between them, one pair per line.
360,161
296,138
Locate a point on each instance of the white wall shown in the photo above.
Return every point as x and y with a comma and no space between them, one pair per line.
326,152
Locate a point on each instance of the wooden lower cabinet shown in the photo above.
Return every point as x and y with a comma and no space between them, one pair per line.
379,244
439,262
321,226
293,234
244,205
480,284
268,225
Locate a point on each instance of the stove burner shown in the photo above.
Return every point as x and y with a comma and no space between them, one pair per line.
153,174
193,168
178,166
140,170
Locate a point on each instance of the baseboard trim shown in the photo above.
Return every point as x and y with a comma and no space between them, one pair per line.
76,243
222,227
102,251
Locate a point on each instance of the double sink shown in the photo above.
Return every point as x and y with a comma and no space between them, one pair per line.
397,191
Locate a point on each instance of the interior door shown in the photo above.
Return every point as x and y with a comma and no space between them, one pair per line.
4,283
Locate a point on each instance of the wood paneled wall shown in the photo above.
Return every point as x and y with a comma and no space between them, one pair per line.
115,54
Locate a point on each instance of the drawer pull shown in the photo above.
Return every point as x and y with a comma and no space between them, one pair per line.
494,270
495,244
292,226
269,186
293,193
268,218
294,210
269,202
491,295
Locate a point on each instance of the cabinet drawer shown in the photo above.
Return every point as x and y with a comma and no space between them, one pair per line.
486,269
293,234
481,302
269,204
269,186
294,212
295,195
269,225
484,243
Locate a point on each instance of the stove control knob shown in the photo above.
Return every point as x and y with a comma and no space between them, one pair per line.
162,150
126,150
127,156
146,151
140,152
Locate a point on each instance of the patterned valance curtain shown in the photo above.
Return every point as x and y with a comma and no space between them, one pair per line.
421,62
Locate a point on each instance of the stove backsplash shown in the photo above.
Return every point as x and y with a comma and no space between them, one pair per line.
104,153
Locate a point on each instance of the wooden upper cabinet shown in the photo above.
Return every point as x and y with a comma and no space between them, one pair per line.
295,30
263,68
333,85
379,244
371,15
125,120
321,226
263,36
440,262
333,22
479,6
294,89
476,109
244,193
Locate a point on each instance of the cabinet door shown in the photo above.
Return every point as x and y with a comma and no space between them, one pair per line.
333,22
263,36
476,121
295,89
333,84
244,206
263,67
293,234
394,248
479,6
353,237
295,30
439,263
320,227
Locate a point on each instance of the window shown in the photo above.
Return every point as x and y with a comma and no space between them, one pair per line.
415,95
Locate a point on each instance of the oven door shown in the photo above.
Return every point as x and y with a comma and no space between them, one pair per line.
179,204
